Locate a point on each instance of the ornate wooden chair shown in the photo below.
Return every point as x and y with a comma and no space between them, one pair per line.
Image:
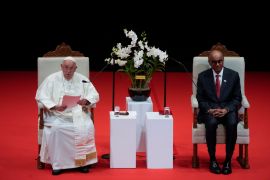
50,63
234,61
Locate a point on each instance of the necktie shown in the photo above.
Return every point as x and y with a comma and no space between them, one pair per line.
217,85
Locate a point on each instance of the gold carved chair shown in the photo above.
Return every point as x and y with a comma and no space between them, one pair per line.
233,61
50,63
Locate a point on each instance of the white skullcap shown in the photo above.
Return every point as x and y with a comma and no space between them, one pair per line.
70,59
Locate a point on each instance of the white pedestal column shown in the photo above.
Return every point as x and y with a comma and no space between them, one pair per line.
141,107
159,141
123,140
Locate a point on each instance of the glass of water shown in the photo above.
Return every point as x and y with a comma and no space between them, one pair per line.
167,111
116,110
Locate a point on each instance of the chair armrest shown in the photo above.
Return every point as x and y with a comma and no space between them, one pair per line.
90,107
93,105
40,105
245,102
194,102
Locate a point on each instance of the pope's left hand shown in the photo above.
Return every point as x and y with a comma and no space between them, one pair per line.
83,102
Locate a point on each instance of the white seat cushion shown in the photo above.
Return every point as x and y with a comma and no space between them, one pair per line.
198,134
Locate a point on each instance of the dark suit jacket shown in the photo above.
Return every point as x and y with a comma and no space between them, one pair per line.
230,92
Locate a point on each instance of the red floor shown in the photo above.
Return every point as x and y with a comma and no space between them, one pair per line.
18,128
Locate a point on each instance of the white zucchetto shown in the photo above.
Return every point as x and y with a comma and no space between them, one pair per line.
70,58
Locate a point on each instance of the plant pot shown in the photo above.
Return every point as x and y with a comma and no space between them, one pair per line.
139,94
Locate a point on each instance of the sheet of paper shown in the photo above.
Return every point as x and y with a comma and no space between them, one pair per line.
70,101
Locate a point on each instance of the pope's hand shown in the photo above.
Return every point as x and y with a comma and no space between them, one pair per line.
83,102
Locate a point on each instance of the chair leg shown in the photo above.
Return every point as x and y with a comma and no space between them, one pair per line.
40,165
246,162
243,158
195,158
240,156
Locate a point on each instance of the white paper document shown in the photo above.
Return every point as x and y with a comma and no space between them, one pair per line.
70,101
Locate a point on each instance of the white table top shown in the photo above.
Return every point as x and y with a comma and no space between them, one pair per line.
156,116
149,100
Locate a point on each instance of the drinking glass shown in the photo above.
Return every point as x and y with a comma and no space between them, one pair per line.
167,111
116,110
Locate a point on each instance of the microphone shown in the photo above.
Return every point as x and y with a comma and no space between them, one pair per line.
98,73
184,67
178,62
84,81
107,156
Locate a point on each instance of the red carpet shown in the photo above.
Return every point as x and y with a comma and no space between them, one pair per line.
18,128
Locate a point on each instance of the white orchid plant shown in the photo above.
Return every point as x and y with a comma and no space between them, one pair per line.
138,59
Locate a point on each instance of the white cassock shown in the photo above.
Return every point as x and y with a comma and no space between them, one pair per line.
68,139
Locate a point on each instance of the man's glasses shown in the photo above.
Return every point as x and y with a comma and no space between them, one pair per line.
217,61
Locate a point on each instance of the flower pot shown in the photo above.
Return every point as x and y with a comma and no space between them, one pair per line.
139,94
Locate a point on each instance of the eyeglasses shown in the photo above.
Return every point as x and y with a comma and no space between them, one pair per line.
220,61
68,68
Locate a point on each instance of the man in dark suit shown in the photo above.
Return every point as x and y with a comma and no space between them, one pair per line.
219,96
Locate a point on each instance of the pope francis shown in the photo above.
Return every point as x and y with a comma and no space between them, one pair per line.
68,136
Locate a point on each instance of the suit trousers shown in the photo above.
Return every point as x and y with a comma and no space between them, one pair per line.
229,121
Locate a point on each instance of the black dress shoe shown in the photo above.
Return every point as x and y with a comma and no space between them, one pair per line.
214,167
57,172
227,168
84,169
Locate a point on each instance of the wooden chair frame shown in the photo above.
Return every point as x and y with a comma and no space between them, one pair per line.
243,148
61,50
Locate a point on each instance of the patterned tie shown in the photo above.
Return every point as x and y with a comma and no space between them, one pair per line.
217,85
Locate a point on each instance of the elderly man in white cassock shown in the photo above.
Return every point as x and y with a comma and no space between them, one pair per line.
68,136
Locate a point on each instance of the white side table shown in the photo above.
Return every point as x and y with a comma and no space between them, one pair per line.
123,140
141,107
159,141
